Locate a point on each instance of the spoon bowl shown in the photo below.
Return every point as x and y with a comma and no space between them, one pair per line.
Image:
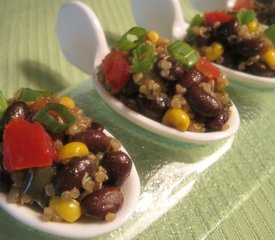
169,12
82,228
164,131
96,41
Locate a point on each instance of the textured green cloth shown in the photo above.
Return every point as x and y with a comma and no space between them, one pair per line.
218,191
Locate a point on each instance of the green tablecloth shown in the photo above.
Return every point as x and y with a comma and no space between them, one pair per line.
219,191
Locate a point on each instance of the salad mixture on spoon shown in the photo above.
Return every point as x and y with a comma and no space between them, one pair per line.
56,158
264,9
166,81
235,39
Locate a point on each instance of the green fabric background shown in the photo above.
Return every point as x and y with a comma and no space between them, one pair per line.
231,198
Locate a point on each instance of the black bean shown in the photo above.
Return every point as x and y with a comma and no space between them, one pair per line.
5,181
96,140
118,166
216,123
99,203
71,174
58,136
176,71
130,89
96,126
229,58
203,102
249,47
130,102
15,110
205,39
202,41
153,109
225,32
192,77
260,68
265,11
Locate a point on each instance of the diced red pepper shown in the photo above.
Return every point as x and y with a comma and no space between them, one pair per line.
247,4
207,68
218,16
26,145
43,102
116,70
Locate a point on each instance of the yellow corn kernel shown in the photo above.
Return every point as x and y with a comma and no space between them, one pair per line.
214,51
69,210
67,102
252,26
269,58
176,118
73,149
153,36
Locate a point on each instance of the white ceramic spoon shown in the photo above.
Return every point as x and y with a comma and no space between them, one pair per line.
166,17
80,229
79,28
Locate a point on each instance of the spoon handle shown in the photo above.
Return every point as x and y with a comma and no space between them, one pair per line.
164,16
81,36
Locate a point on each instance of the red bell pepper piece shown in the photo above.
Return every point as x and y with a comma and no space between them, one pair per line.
116,70
207,68
26,145
218,16
43,102
247,4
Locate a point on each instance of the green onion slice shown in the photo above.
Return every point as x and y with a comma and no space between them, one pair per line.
131,39
3,105
270,33
50,122
245,16
183,53
197,20
143,56
30,95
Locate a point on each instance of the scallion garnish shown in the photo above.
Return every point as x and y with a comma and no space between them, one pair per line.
270,33
197,20
50,122
3,105
131,39
245,16
143,56
30,95
183,53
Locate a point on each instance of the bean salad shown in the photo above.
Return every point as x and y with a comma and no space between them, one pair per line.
59,160
235,39
264,9
167,82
